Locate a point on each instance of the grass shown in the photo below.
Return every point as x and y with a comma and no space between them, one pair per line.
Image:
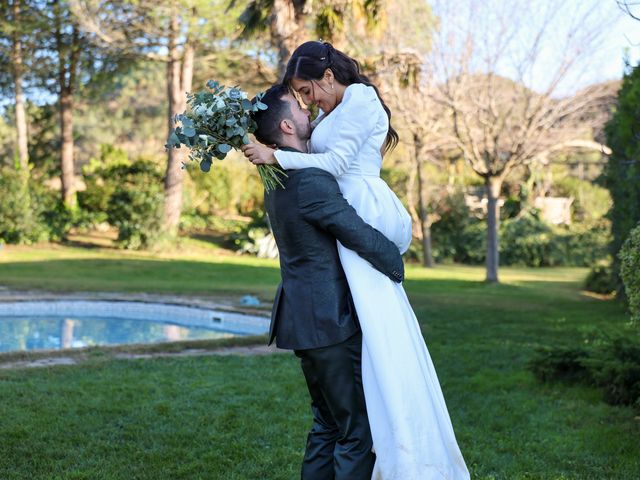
246,418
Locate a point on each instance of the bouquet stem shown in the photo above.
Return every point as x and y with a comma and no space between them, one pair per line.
271,176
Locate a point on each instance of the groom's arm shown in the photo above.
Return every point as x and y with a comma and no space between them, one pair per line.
322,204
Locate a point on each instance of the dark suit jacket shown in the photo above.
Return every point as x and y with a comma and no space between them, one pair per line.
313,307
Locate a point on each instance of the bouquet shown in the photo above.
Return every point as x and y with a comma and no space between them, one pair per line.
217,121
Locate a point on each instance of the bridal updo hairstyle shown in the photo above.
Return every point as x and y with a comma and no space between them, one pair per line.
309,62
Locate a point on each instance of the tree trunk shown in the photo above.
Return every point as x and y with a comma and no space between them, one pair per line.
173,174
425,224
21,118
66,80
493,186
66,151
286,31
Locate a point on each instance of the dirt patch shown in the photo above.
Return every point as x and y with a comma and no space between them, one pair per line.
242,350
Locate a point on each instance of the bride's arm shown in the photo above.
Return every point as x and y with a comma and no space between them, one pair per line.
353,125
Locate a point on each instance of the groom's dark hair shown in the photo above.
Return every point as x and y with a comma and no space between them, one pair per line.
268,121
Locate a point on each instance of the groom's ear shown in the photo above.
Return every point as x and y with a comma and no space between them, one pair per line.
287,127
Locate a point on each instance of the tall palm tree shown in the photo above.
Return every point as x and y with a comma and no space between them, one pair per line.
290,22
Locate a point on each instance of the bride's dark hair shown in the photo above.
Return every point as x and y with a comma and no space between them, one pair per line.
309,62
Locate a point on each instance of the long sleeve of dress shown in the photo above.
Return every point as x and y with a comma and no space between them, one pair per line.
354,124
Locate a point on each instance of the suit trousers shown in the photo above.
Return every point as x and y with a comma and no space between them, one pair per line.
339,445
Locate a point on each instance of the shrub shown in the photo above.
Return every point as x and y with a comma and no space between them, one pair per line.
135,206
231,187
528,241
249,237
616,370
559,364
29,211
473,244
100,183
18,222
613,366
458,235
591,200
600,279
585,244
525,240
630,271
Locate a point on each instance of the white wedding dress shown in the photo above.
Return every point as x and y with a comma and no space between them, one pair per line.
412,434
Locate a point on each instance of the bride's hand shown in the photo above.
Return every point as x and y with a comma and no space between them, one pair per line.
259,154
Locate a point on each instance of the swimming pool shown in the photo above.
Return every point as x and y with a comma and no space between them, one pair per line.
35,325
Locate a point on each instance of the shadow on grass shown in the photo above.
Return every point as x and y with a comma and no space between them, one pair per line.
214,239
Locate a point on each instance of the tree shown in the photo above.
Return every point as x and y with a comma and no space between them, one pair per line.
423,125
288,21
500,123
168,31
16,46
622,173
631,8
60,59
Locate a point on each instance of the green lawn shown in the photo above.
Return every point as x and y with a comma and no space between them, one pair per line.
246,418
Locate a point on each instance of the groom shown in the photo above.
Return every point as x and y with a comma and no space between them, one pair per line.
313,312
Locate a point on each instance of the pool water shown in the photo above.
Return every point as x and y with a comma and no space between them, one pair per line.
36,325
20,333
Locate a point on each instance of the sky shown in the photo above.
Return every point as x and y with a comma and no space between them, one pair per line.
503,36
625,35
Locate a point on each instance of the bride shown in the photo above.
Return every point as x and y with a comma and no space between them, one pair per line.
412,434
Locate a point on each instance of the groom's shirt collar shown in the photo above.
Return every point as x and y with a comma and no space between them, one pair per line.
289,149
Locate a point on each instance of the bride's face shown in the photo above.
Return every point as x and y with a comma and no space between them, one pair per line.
316,92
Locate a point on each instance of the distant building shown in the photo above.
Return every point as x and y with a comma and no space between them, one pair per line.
555,210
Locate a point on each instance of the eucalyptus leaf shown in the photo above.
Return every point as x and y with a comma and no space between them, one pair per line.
205,165
173,140
224,148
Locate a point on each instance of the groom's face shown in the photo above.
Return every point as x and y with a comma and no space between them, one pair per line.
300,117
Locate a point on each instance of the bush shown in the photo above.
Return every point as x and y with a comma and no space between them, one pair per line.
458,236
592,202
616,370
613,366
135,206
527,241
630,271
18,222
560,364
100,184
29,211
600,280
583,245
255,237
232,187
